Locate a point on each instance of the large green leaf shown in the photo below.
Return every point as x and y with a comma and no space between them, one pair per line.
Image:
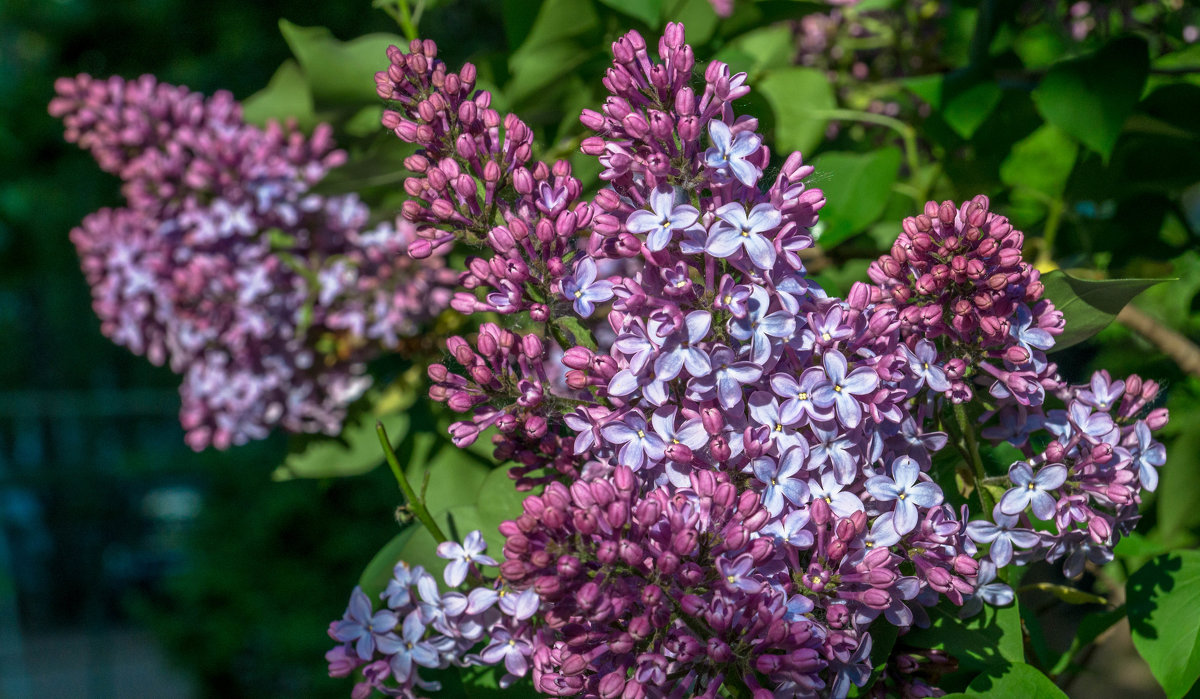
759,50
285,96
1179,485
1163,599
1041,162
647,11
856,186
966,111
1091,97
1089,305
798,96
1008,681
550,51
354,452
339,73
990,638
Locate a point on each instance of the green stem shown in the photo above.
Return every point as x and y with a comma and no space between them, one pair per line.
405,20
1050,232
907,133
972,452
415,503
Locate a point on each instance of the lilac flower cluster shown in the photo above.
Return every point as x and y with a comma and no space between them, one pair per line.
419,626
735,466
266,297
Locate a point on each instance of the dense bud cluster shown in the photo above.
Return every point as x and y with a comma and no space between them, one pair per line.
266,297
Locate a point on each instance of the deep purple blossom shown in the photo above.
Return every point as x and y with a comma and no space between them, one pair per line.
367,629
726,379
758,327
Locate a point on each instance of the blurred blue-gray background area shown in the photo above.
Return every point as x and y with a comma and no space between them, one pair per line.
129,565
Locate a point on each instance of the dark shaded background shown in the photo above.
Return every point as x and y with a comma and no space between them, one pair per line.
110,523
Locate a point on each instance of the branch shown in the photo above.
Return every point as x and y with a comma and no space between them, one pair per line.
1176,346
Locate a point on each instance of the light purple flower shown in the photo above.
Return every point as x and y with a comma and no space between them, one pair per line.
986,590
690,434
1001,535
842,388
1033,490
412,649
461,556
399,589
726,379
923,365
666,218
519,606
1104,392
764,410
365,629
1027,334
792,528
735,230
735,575
681,351
799,406
759,327
583,290
1096,427
729,151
882,533
780,479
1150,454
511,649
903,488
639,441
833,447
842,503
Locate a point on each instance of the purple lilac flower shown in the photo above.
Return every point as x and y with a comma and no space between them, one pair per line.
1032,490
366,629
842,388
1149,455
922,362
639,443
779,476
512,651
1002,535
799,406
411,649
793,529
583,290
726,379
682,351
1103,393
987,591
903,488
462,556
728,153
757,327
841,502
834,448
666,218
736,230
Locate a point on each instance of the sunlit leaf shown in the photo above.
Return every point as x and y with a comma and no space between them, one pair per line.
1089,305
1163,599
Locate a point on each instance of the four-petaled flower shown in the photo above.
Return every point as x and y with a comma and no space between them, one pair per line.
365,629
736,574
726,378
922,364
842,503
411,649
728,153
513,650
667,217
842,388
638,441
1033,490
758,327
779,477
583,290
736,229
1150,454
908,494
461,556
1002,536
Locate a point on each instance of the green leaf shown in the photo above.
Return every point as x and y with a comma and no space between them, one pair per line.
499,499
856,186
759,50
286,96
550,50
1163,599
1089,630
647,11
990,638
927,87
1179,486
339,73
1091,97
966,111
1016,680
798,96
355,452
576,331
1040,46
1089,305
1041,162
375,576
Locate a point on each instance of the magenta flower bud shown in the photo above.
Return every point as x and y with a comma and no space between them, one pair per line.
568,566
532,346
1133,385
712,419
539,312
837,616
513,570
628,245
1157,419
420,248
719,448
547,586
1149,390
679,453
719,651
536,426
692,605
965,565
1016,354
1055,452
522,181
612,685
623,479
667,563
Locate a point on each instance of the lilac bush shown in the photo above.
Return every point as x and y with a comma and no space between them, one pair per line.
266,297
731,472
